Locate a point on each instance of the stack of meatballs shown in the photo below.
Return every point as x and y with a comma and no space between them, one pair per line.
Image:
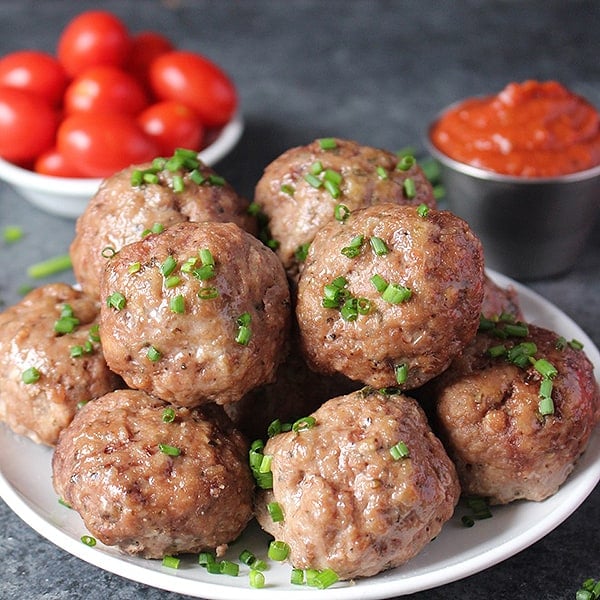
341,307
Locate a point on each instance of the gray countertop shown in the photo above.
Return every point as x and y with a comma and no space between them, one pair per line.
373,71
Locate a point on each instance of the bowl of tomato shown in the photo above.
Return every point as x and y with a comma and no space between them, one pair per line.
106,99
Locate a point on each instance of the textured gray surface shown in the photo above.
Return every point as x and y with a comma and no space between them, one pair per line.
375,71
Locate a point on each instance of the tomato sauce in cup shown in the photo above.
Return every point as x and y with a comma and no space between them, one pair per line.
530,129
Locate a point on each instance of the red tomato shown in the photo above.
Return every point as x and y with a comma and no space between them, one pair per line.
92,38
197,82
105,89
172,125
52,162
146,46
100,144
34,71
27,125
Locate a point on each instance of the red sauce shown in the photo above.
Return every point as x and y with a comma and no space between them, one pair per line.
529,129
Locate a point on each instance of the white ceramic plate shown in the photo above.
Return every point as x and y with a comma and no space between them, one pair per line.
68,196
457,552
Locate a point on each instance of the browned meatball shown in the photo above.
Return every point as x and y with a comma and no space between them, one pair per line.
506,441
349,503
153,485
121,213
401,311
190,332
44,373
299,190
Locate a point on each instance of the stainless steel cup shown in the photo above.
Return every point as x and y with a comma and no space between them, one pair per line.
530,228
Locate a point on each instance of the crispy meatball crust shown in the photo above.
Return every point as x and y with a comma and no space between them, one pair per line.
198,359
487,412
296,209
120,213
437,257
109,467
347,503
40,410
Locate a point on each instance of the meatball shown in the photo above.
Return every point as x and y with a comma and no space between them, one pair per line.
154,483
506,440
389,296
50,361
299,190
122,212
198,313
363,490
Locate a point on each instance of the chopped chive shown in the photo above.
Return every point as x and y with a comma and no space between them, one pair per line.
546,406
304,424
208,293
275,511
341,212
406,162
50,266
265,463
244,332
316,167
297,577
396,293
516,329
349,310
66,325
381,172
116,300
259,565
168,414
278,550
410,189
545,368
467,521
168,266
247,557
333,188
217,180
12,234
169,450
108,252
288,189
134,267
197,177
153,355
302,252
205,558
423,210
327,143
256,579
88,540
576,344
205,272
172,281
172,562
178,185
401,373
379,246
93,333
326,578
228,567
379,283
497,351
399,450
206,256
354,248
30,375
177,304
64,503
313,180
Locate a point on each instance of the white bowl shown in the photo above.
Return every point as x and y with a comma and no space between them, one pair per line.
68,196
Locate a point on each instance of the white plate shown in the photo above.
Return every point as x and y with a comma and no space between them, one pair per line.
68,196
25,485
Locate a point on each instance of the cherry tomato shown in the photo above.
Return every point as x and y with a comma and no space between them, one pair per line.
34,71
100,144
52,162
145,47
105,89
92,38
27,125
197,82
172,125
